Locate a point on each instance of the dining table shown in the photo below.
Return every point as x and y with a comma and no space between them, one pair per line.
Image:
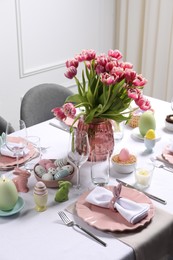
30,234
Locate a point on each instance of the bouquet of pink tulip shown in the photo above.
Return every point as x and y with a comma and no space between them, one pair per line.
106,90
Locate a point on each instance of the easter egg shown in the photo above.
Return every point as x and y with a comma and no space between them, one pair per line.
146,122
68,167
62,173
47,177
40,170
124,155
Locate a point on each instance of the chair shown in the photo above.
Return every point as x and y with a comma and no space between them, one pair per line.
3,124
38,102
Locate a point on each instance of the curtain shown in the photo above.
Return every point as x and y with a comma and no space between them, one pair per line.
144,34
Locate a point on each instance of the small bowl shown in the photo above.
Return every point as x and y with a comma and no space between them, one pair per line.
54,183
122,167
169,122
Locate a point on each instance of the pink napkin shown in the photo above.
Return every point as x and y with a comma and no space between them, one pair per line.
132,211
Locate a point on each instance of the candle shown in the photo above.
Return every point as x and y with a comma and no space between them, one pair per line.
8,194
143,175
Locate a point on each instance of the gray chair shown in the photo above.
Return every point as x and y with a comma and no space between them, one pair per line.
38,102
3,124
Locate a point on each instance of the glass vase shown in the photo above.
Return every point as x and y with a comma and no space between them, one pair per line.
100,134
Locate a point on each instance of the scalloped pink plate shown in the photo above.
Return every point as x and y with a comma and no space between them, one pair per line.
106,219
168,155
6,161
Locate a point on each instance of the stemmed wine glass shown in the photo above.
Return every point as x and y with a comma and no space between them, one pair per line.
78,152
18,142
172,103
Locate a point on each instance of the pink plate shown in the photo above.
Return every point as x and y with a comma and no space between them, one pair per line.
168,155
106,219
9,162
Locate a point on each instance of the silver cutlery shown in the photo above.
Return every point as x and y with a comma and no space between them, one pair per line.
159,164
66,129
146,193
71,223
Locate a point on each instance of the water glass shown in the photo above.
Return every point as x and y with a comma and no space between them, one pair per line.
118,130
100,167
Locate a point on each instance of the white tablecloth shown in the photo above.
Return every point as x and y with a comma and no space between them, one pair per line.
32,235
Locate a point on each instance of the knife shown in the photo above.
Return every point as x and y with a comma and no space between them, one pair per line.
66,129
146,193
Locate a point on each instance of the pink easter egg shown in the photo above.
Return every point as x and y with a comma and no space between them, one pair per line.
50,165
43,162
124,155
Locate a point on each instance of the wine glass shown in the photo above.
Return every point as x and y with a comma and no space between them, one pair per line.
172,103
78,152
18,142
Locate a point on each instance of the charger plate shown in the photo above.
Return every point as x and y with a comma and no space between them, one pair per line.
106,219
8,163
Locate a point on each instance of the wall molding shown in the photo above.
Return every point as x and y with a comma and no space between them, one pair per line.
24,72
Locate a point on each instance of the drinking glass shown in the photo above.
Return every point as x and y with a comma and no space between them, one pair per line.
172,103
100,169
78,152
18,142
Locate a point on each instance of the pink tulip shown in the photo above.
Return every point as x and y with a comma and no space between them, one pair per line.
99,69
71,72
143,103
59,113
69,110
107,79
73,62
126,65
115,54
133,93
130,75
139,81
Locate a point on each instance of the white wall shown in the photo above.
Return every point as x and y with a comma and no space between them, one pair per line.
38,36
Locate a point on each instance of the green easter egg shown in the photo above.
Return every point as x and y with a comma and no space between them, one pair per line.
146,122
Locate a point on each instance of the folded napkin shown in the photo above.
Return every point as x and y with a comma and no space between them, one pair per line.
6,152
132,211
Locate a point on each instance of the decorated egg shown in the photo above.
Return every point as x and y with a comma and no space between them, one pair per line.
124,155
43,162
146,122
60,162
40,170
68,167
61,174
50,165
52,171
47,177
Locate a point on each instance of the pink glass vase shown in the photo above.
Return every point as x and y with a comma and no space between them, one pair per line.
100,134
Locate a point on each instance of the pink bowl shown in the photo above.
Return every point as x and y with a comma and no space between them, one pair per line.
54,183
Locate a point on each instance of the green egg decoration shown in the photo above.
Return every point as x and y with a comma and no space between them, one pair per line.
147,121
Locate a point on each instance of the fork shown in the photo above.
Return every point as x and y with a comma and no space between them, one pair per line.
71,223
160,165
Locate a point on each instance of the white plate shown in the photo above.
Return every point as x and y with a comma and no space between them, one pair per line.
136,134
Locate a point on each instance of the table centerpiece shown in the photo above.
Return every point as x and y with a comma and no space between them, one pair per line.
105,92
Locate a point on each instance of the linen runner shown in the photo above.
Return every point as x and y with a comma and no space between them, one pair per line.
153,241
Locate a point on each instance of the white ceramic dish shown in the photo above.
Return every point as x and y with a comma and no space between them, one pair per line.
122,167
169,126
136,134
